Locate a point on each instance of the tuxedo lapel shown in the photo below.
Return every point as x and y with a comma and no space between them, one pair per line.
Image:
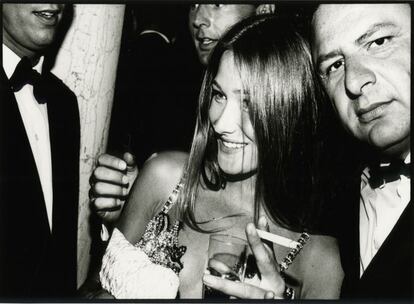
392,242
64,143
64,133
355,270
17,155
390,273
59,155
349,238
391,270
24,228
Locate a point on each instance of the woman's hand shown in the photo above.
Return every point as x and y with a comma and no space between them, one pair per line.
271,284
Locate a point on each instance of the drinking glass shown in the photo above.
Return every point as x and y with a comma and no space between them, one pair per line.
231,251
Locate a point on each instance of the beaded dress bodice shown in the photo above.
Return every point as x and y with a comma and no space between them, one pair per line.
160,241
131,271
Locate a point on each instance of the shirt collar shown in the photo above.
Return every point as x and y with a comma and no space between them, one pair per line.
10,61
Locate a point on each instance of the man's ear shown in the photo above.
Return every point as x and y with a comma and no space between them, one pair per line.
265,9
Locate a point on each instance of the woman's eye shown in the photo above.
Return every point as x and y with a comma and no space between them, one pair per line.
218,5
217,96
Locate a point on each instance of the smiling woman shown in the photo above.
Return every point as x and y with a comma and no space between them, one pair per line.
229,116
254,158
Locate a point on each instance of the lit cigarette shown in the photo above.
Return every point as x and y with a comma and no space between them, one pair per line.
280,240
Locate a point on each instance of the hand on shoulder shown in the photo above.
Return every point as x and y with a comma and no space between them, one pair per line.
156,181
111,182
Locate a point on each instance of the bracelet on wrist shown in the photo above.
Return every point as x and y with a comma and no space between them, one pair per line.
289,293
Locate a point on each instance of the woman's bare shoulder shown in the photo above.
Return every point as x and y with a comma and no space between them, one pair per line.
161,174
322,271
153,186
322,241
166,165
322,251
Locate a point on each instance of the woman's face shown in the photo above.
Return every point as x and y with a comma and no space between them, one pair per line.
229,116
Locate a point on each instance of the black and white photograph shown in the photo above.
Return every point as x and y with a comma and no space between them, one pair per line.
174,151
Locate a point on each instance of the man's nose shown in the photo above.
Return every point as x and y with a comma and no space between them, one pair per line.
229,119
202,16
358,76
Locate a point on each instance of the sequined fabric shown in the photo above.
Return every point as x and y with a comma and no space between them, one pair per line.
133,271
128,273
160,242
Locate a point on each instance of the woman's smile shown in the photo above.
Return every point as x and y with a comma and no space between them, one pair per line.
228,146
237,150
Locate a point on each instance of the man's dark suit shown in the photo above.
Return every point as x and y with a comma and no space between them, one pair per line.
390,273
34,262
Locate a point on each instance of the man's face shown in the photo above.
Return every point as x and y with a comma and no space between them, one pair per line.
362,54
208,22
30,28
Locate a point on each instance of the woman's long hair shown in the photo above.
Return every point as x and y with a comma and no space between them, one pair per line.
276,70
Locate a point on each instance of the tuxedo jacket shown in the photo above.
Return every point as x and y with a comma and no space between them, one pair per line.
33,261
391,271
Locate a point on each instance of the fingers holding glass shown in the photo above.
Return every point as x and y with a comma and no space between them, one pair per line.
227,259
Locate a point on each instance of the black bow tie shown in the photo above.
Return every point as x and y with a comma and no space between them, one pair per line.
24,74
386,173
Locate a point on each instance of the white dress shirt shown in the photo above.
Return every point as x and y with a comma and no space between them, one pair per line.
35,119
379,211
